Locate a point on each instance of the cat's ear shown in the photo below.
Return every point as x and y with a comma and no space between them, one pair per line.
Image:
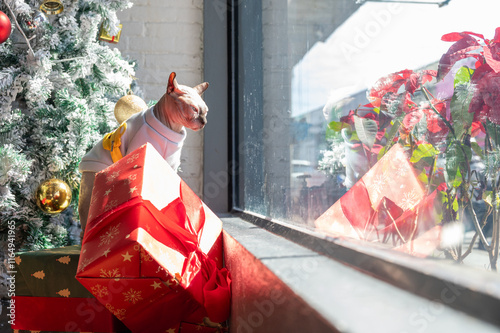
200,89
172,86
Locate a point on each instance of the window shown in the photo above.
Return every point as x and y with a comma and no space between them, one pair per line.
302,66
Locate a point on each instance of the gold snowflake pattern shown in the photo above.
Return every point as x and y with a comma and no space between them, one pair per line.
145,257
133,296
110,205
132,158
99,291
379,182
119,313
410,199
110,273
402,169
108,236
113,176
83,264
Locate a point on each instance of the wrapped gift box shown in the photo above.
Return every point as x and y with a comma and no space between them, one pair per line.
387,205
152,250
49,298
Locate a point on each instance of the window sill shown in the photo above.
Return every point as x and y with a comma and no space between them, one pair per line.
280,286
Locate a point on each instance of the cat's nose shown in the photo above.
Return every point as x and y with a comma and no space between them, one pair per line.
203,120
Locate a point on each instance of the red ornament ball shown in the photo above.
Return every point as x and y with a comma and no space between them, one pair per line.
5,27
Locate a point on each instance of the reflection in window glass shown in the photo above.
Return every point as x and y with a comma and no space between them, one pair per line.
329,138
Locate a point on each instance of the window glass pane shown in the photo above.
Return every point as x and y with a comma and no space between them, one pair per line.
319,107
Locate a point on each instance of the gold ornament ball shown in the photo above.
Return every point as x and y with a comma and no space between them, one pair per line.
127,106
53,196
52,7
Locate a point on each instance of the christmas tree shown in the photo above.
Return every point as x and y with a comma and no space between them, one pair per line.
58,87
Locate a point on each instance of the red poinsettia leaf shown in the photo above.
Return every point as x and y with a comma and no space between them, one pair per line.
456,36
474,34
376,102
481,71
389,83
427,75
434,123
452,37
380,135
494,64
412,119
486,99
448,60
494,114
440,106
383,86
496,39
406,73
407,105
376,148
476,128
412,83
371,115
481,114
456,52
442,187
476,105
348,119
361,213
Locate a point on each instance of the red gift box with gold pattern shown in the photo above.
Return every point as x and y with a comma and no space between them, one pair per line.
152,250
387,205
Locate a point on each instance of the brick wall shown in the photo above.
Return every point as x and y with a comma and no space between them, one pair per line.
166,36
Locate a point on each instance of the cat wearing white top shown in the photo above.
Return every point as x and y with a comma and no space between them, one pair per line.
163,126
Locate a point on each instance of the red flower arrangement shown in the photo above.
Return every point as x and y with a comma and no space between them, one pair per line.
441,135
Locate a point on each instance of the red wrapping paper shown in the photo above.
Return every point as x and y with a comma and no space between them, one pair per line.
387,205
152,251
63,315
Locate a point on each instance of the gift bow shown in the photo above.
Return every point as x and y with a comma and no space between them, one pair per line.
188,213
387,218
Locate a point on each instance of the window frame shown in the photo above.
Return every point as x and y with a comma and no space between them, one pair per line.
462,288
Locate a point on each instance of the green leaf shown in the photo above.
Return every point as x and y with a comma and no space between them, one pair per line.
354,137
337,126
458,179
477,149
463,75
395,125
455,205
488,197
366,129
423,177
444,197
423,150
459,108
493,129
382,152
455,159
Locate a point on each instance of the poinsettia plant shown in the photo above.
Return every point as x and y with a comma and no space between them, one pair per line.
453,139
